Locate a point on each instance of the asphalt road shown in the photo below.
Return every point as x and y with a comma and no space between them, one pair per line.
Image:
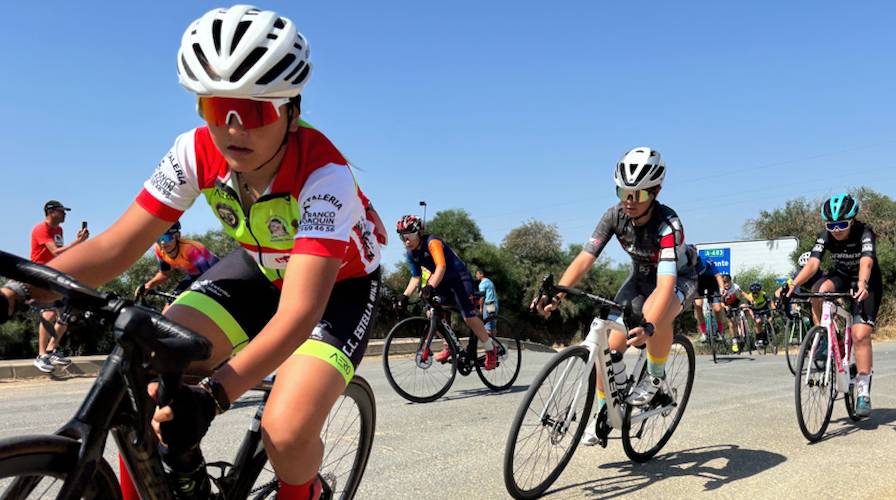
739,438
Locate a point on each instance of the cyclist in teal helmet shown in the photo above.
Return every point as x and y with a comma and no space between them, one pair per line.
854,268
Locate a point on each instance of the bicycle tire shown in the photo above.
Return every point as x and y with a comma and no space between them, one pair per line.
627,428
343,488
26,460
508,369
711,333
556,436
813,434
792,326
399,367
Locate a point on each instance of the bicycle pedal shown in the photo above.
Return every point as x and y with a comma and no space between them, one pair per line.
602,428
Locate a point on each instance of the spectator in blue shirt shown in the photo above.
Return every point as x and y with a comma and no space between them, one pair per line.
489,301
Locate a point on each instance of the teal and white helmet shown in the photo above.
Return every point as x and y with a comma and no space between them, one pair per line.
840,207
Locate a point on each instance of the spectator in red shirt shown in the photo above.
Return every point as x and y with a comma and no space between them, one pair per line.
47,243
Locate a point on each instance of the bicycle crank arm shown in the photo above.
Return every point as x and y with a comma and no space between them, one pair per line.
649,413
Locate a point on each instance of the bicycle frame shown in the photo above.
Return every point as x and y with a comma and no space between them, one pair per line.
597,343
830,311
439,326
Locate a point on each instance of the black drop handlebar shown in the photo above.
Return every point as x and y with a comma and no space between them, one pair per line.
169,347
605,306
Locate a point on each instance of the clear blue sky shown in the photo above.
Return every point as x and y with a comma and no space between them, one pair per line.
510,110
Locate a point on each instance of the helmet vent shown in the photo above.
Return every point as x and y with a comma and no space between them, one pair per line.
657,174
183,62
247,63
294,70
302,75
204,62
272,36
241,29
279,24
216,34
277,70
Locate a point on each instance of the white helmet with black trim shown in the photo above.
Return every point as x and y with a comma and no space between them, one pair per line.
243,52
640,168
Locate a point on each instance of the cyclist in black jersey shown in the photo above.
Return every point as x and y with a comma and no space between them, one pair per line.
708,280
663,277
852,246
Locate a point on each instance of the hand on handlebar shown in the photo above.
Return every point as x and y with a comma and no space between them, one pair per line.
182,424
545,305
401,304
638,335
860,294
140,291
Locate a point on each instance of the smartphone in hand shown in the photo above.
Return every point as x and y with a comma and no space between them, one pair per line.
83,225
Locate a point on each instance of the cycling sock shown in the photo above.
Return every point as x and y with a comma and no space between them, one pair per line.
863,384
601,399
307,491
488,345
703,328
656,367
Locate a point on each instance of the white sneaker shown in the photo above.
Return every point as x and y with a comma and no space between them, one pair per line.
702,337
589,437
646,389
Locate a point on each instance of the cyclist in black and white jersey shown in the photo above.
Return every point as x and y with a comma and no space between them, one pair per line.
852,246
663,277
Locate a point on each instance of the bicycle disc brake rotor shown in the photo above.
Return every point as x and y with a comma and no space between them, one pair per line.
424,359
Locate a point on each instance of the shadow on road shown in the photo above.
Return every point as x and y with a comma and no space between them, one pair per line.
718,465
473,393
883,417
731,359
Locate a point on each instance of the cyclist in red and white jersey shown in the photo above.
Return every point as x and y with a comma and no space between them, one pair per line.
300,295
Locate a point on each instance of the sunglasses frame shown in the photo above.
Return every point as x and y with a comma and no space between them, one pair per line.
276,103
634,194
837,226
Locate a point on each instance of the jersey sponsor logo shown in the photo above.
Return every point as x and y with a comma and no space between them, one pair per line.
208,287
57,239
283,259
329,198
227,215
352,343
164,184
278,229
867,247
178,169
322,222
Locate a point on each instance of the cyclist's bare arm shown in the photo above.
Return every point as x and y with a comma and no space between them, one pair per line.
413,283
292,324
101,259
578,268
865,265
805,273
159,278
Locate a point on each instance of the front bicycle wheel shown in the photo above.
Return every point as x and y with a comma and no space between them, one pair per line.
347,436
794,334
37,467
549,423
814,386
510,355
646,429
408,360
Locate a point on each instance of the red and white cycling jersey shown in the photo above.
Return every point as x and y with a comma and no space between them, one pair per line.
312,206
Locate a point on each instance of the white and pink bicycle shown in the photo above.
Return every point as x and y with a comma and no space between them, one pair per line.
825,365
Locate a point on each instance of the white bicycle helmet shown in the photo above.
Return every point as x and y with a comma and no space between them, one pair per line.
804,259
243,52
640,168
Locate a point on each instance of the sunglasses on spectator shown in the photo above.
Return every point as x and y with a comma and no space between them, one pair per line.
838,226
219,111
166,238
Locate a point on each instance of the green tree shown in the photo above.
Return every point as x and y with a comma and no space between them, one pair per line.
456,228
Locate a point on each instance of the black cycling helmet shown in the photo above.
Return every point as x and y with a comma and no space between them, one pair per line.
175,228
755,287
